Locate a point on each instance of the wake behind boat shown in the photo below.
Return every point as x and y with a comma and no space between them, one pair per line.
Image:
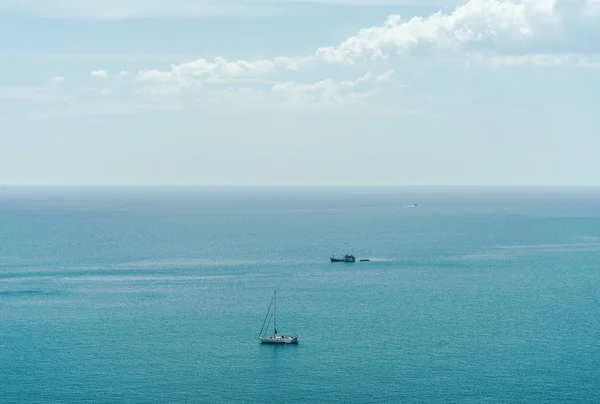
275,338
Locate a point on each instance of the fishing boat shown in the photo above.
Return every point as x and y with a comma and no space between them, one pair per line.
276,338
346,258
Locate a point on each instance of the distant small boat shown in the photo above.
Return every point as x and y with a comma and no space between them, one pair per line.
365,260
275,338
347,258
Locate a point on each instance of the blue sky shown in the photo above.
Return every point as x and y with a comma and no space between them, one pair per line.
314,92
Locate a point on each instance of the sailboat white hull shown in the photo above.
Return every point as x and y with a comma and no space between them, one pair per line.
278,340
275,338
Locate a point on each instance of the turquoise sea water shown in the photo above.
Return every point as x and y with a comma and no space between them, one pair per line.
157,295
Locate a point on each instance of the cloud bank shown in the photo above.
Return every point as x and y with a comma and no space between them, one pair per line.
477,27
484,33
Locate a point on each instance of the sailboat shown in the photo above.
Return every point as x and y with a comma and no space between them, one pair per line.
275,338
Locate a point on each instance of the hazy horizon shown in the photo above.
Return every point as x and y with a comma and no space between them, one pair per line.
316,186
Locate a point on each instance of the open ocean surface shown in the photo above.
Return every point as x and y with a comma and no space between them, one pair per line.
157,295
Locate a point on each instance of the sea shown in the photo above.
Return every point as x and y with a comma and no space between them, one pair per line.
158,294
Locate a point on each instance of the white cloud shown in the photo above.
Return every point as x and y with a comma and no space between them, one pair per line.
471,30
474,21
361,92
360,95
328,84
328,90
99,74
186,74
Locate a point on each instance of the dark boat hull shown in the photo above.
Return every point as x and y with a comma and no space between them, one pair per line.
341,260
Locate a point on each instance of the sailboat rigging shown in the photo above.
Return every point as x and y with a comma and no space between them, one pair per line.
275,338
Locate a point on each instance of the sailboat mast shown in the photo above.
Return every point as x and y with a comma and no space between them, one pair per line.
275,315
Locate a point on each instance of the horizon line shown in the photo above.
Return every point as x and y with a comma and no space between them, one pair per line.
108,185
